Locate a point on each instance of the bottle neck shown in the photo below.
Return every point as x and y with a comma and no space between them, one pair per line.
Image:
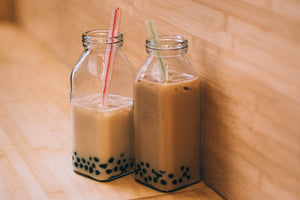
99,40
167,45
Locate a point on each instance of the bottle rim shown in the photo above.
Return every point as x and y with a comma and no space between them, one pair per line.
100,36
167,42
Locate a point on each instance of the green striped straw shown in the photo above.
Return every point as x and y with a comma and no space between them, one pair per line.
151,30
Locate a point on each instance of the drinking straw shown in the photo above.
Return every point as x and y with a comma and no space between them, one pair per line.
151,30
110,54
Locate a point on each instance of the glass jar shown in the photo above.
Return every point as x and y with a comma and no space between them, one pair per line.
102,133
167,117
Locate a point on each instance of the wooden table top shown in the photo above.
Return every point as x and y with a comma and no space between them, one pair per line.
35,137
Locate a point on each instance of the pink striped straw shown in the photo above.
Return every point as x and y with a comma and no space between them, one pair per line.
110,54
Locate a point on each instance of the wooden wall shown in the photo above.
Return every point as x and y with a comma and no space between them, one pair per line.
247,53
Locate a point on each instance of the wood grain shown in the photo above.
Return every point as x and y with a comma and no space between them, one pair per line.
35,138
247,54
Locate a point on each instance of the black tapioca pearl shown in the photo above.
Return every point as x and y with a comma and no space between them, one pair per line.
81,165
136,172
78,159
147,165
144,171
153,171
90,158
182,168
93,165
111,160
108,171
115,168
83,160
72,157
91,170
126,166
103,166
86,167
180,180
97,172
145,179
184,174
76,164
141,174
174,182
121,168
149,178
119,162
187,169
124,160
96,159
75,153
162,171
163,182
122,154
138,167
155,180
158,175
131,164
142,163
171,175
88,162
186,88
188,177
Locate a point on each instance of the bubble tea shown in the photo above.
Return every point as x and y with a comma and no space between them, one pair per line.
102,132
167,117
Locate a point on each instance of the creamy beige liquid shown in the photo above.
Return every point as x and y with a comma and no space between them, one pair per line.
102,137
167,132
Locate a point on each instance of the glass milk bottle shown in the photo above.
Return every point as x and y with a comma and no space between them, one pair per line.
167,117
102,133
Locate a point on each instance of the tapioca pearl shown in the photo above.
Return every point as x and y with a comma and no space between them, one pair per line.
93,165
115,168
144,171
124,160
136,172
72,157
111,160
91,170
78,159
126,166
108,171
162,171
88,163
145,179
75,153
97,172
81,165
131,164
174,182
142,163
96,159
76,164
171,175
153,171
138,167
86,167
158,175
187,169
83,160
163,182
121,168
141,174
149,178
188,177
122,154
119,162
147,165
184,174
90,158
180,180
103,166
182,168
155,180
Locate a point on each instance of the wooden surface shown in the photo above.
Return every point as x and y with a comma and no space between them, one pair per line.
247,54
35,138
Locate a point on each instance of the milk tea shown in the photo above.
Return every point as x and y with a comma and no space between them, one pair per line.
103,137
167,131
